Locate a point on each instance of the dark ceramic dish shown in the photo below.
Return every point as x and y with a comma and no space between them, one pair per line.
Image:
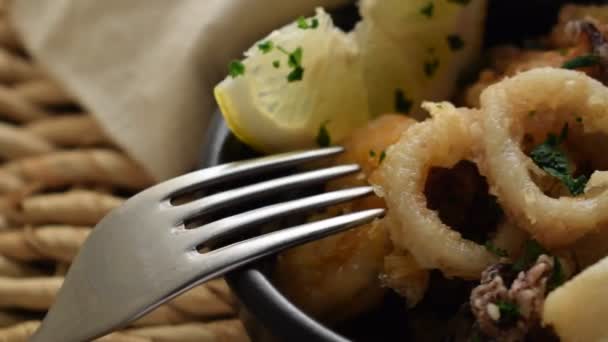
509,21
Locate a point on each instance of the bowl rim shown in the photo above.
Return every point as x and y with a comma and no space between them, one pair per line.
251,286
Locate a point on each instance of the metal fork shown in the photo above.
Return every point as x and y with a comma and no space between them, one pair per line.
142,255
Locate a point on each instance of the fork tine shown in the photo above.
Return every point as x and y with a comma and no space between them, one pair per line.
233,256
235,196
216,174
239,223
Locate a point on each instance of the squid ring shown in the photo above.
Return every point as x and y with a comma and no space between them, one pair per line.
443,140
553,95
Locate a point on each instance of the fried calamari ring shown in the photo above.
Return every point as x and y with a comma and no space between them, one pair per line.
554,95
443,140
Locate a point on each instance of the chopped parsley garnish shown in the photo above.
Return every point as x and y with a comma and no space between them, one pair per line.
295,74
583,61
552,160
294,60
428,10
304,25
382,156
532,250
579,119
455,42
402,103
373,154
236,68
531,113
509,312
276,64
496,250
460,2
323,138
430,67
557,276
266,46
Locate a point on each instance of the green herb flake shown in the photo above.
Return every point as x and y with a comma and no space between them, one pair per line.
455,42
532,113
294,61
583,61
323,138
372,153
554,161
509,312
579,119
382,156
296,74
532,250
431,66
402,103
496,250
475,337
558,277
304,25
236,68
276,64
295,58
266,46
428,10
460,2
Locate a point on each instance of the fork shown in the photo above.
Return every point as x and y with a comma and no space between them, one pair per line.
142,254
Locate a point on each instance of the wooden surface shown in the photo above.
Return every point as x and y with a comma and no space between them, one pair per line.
59,175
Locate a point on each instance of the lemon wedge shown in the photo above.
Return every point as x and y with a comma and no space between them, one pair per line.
415,50
271,111
310,80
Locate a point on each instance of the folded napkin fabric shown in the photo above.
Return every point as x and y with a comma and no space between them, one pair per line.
146,68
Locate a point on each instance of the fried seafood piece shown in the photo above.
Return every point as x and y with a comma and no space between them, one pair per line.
442,141
577,310
338,277
553,95
589,40
403,274
580,32
507,308
509,61
560,36
367,147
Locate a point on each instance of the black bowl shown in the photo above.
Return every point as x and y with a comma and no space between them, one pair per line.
268,314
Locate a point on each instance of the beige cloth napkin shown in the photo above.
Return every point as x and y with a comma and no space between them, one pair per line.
146,68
